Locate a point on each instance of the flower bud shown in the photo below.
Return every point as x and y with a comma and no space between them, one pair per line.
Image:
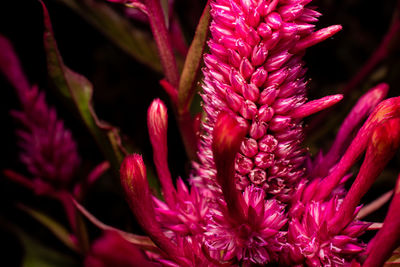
228,135
157,122
134,182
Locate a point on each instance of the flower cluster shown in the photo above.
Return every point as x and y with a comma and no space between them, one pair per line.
48,149
255,71
256,196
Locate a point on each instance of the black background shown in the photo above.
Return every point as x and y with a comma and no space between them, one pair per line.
124,89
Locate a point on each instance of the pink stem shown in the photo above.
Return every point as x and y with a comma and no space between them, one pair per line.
66,200
228,134
384,142
186,127
157,124
91,178
388,238
170,90
374,205
20,179
63,196
161,36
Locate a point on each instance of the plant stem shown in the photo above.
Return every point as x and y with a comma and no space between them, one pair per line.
161,36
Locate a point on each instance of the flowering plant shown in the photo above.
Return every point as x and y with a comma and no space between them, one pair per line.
254,195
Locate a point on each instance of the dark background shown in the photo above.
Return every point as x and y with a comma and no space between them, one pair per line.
124,89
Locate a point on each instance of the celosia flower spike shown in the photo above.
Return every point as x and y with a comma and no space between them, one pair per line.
157,123
48,149
255,71
384,142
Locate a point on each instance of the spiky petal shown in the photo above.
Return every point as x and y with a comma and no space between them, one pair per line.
310,239
351,124
255,239
176,237
386,110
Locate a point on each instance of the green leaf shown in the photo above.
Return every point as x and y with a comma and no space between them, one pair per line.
165,8
36,254
79,91
191,67
140,241
57,229
119,30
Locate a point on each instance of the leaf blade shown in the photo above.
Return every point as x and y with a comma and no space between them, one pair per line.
56,228
119,30
79,91
191,67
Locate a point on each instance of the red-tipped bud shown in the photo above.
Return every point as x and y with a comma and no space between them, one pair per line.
157,122
386,138
227,137
136,187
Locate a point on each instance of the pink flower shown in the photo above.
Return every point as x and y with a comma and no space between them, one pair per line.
48,148
256,195
257,239
255,71
310,238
